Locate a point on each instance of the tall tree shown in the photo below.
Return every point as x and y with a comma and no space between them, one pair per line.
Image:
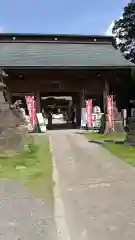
124,31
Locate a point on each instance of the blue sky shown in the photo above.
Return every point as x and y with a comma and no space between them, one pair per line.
59,16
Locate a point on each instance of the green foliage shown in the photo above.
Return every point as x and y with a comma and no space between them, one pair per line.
124,30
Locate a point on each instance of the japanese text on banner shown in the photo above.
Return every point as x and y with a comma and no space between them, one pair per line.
110,110
31,109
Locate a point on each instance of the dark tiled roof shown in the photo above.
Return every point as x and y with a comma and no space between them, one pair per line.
60,54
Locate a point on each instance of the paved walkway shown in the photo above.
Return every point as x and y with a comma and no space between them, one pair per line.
97,189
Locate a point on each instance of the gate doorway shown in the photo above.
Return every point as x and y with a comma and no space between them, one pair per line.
59,110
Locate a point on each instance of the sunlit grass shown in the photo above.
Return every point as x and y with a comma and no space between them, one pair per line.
127,153
33,167
103,136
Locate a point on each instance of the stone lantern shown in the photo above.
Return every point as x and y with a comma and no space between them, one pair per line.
3,103
10,120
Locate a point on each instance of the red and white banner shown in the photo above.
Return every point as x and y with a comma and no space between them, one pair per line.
31,109
110,110
89,113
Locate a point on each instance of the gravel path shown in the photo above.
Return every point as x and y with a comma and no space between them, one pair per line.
23,217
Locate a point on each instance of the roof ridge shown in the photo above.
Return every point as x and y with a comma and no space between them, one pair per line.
55,37
54,42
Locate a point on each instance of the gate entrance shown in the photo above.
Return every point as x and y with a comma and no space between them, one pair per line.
59,110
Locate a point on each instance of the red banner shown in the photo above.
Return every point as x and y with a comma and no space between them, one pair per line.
110,110
31,109
89,113
34,113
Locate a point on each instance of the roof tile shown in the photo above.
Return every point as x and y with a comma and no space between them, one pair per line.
21,54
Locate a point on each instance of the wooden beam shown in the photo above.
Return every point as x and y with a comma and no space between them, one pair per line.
105,94
38,102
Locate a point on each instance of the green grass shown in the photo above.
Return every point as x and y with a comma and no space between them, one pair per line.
100,136
33,167
127,153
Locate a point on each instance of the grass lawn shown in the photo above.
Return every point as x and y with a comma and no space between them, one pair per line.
33,167
127,153
100,136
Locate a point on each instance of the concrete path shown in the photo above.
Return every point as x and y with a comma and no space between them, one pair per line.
97,190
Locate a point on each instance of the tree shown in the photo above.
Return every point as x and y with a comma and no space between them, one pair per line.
124,31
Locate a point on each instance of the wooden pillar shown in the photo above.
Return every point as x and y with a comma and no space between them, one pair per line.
75,99
38,103
82,98
80,105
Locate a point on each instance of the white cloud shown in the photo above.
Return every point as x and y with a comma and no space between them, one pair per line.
109,30
1,29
